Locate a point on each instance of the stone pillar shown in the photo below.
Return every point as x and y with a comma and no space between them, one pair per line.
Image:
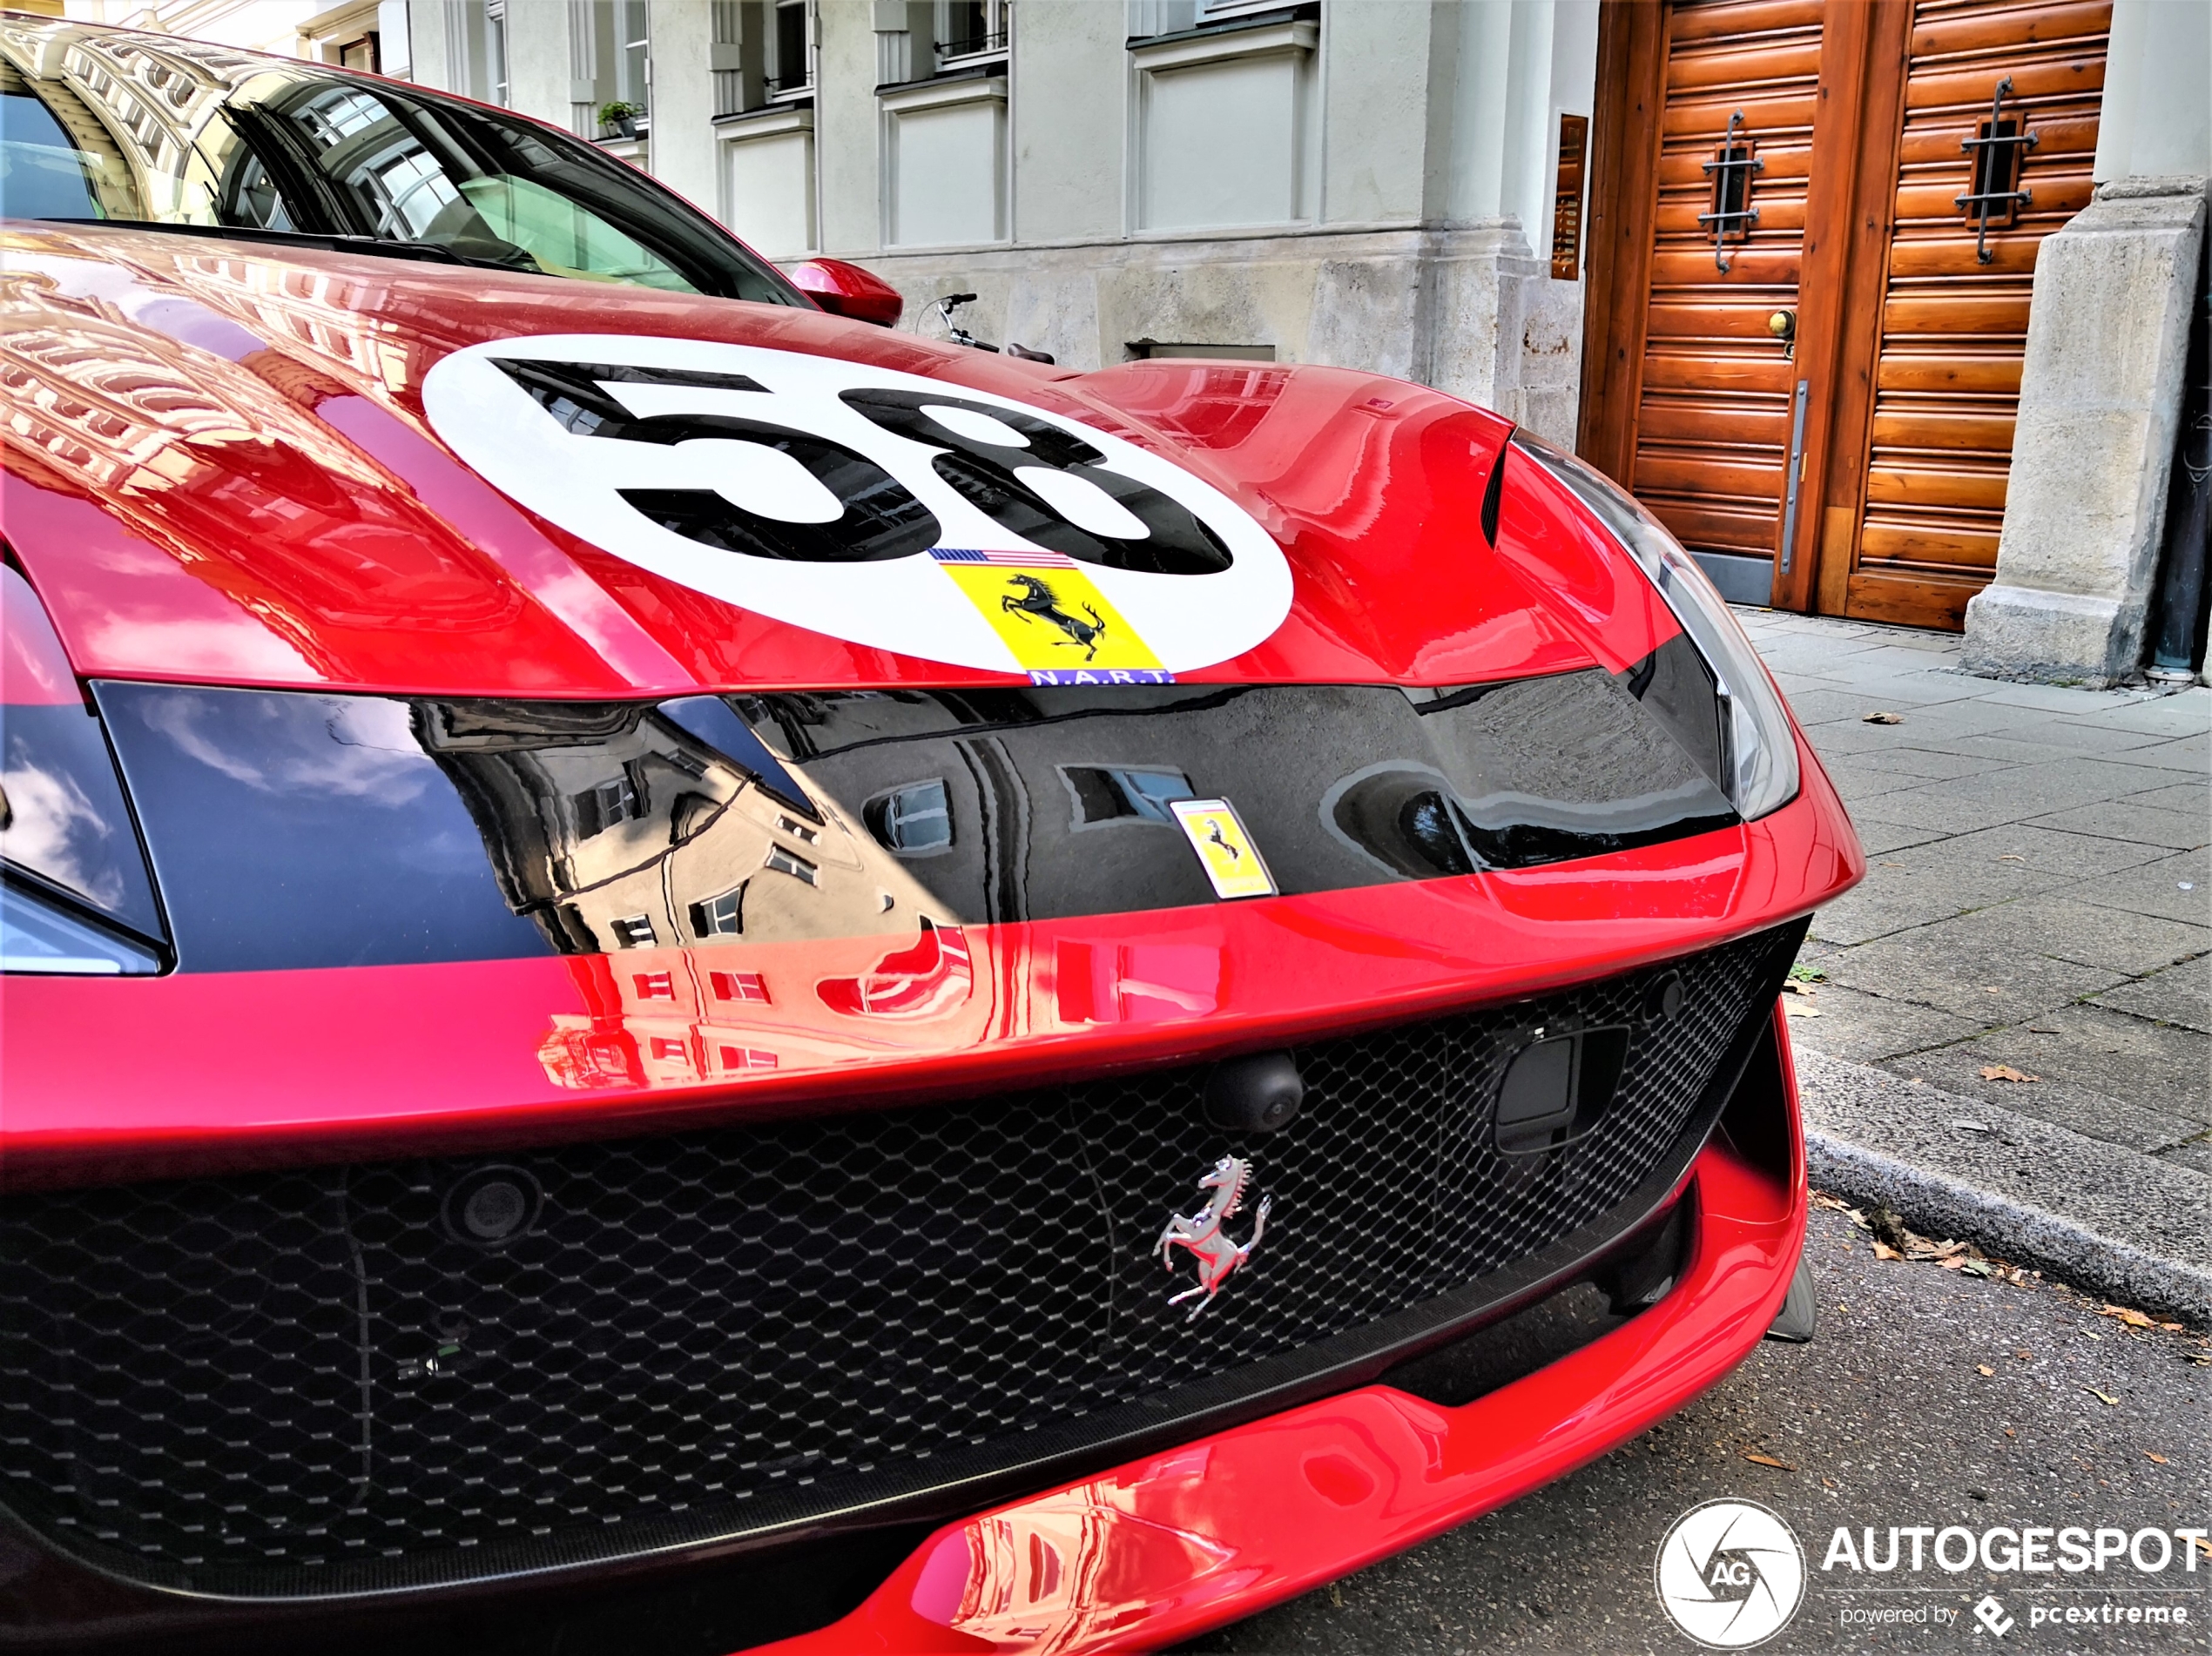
683,155
2100,390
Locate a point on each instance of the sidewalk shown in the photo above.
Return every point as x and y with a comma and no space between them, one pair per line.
2038,901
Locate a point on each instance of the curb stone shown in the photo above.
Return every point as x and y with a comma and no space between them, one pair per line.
2126,1225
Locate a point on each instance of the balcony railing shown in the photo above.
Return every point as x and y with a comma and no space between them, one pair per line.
971,46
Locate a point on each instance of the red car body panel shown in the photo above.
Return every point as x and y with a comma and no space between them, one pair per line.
164,394
230,1069
220,472
1165,1547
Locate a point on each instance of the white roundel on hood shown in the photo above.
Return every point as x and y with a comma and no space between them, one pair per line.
884,508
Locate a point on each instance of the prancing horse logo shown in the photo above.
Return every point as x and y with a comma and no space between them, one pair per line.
1037,602
1218,1256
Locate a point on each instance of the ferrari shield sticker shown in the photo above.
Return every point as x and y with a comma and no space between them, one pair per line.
1231,859
1046,609
891,510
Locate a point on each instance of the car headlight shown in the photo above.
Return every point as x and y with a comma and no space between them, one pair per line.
1761,759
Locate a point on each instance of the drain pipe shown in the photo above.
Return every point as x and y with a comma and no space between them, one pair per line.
2182,599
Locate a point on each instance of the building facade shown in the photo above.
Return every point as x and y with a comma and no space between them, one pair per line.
1885,309
1368,183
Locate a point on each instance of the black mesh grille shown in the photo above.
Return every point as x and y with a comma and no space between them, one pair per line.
265,1379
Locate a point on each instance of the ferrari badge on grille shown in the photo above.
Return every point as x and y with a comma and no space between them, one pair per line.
1217,1255
1232,861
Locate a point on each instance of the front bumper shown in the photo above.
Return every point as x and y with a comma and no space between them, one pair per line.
1165,1547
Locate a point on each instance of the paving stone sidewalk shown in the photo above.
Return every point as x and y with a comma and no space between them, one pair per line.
2039,893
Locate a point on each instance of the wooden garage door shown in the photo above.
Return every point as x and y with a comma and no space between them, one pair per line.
1940,342
1712,409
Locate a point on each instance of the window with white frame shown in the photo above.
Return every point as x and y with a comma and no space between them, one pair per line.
790,67
970,31
488,76
633,54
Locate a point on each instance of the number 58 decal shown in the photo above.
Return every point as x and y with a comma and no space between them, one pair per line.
876,507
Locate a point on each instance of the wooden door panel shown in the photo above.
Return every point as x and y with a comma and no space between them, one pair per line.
1748,533
1721,72
1992,376
2076,80
1933,207
1941,427
1906,480
1706,447
1941,360
1687,171
1705,119
1693,26
1981,29
1665,372
1903,542
1716,420
1950,310
1937,144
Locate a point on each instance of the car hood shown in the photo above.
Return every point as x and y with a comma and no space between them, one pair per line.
234,464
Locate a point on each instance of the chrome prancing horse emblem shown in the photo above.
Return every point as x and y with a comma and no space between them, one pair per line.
1217,1255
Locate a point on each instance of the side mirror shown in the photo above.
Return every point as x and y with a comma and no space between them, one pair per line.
846,290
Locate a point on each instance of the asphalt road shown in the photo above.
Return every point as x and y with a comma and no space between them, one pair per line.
1886,1419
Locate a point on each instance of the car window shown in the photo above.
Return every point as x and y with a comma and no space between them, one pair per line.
270,144
43,175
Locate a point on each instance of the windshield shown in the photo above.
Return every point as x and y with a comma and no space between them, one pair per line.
101,124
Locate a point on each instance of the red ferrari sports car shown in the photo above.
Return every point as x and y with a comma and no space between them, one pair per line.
682,972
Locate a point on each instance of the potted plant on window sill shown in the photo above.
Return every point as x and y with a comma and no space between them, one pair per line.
620,119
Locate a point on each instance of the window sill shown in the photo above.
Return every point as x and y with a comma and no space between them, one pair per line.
1264,37
632,149
766,123
942,91
974,61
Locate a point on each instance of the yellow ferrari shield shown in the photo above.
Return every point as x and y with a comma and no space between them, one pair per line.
1049,613
1232,861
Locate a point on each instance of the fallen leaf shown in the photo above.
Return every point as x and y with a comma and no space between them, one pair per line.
2175,1328
2109,1402
1793,986
1975,1267
1881,718
2005,1073
1883,1250
1984,1369
2012,857
1792,1009
2202,1546
1753,1456
2132,1319
1889,1228
2153,1456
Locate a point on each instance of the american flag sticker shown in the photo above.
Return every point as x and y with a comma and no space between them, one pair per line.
1033,560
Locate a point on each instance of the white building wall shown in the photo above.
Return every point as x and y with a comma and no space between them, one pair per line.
1360,182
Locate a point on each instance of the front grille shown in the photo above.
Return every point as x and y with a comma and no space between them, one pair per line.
305,1381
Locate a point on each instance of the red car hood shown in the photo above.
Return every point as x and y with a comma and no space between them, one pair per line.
222,469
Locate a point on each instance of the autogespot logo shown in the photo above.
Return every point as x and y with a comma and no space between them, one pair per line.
1730,1574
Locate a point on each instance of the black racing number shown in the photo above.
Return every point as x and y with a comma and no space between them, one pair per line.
1176,542
882,519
